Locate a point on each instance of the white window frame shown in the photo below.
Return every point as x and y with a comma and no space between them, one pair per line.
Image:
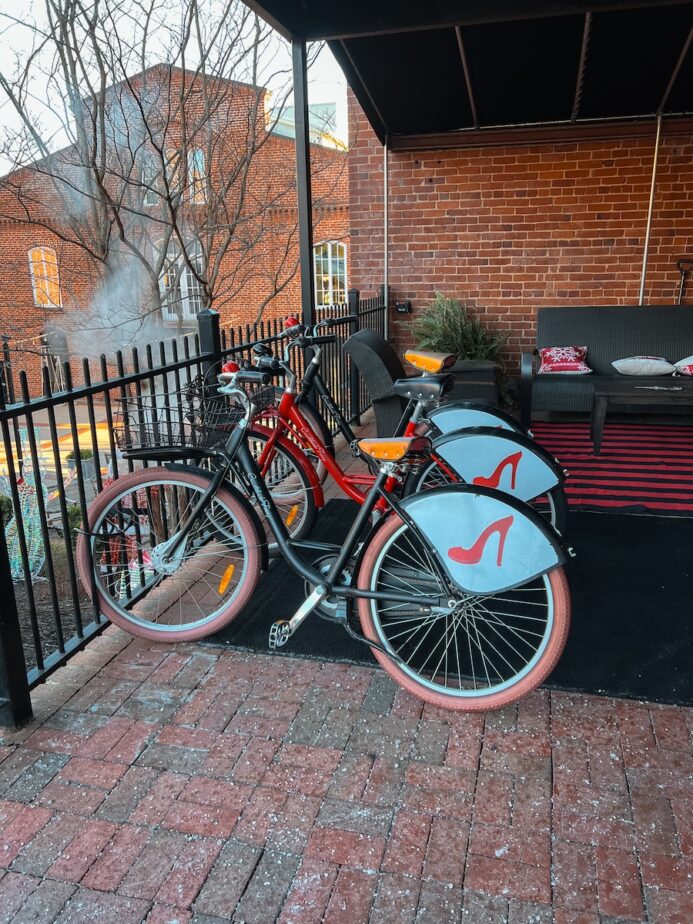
188,287
333,253
45,279
197,178
149,178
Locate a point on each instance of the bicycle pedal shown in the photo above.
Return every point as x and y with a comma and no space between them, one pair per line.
279,634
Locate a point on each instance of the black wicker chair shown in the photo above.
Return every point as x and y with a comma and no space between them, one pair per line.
379,366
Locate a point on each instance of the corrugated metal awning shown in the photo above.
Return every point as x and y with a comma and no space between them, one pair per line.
442,73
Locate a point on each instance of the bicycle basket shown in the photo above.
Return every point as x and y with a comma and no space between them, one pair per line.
194,417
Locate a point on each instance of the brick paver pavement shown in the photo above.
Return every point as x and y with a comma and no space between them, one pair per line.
197,783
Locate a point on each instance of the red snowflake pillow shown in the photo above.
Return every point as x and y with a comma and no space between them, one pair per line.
568,359
684,366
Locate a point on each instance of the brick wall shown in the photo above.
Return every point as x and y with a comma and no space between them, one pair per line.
510,229
262,255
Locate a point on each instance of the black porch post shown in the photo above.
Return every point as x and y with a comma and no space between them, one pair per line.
303,190
14,688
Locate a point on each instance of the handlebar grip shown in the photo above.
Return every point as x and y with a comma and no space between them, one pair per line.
268,364
319,341
335,322
293,331
253,377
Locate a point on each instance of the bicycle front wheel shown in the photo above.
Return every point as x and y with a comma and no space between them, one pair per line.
477,652
151,592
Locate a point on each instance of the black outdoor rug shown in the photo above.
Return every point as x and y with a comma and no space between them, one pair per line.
632,591
642,468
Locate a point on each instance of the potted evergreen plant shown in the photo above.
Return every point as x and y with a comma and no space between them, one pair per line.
446,326
88,463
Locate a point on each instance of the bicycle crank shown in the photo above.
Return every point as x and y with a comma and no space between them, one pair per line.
282,630
332,607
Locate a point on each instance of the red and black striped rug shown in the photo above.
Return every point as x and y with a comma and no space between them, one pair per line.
640,469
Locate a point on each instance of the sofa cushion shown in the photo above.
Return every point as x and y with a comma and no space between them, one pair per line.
643,365
564,392
684,366
566,360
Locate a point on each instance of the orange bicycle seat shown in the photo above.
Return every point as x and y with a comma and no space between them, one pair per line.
428,361
394,449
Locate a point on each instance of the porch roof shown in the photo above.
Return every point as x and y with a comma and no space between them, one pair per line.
473,71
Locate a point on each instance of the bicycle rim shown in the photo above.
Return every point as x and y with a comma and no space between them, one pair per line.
197,587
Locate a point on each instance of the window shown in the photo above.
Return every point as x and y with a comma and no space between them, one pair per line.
196,176
150,180
329,261
45,280
181,292
172,160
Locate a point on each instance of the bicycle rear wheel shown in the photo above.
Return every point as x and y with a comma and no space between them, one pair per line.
206,583
479,651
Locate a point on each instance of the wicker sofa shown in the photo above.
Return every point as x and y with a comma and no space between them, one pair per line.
611,332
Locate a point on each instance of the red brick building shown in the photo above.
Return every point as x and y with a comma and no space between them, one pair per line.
508,229
54,276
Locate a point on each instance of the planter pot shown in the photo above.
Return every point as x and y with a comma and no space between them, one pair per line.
476,378
88,468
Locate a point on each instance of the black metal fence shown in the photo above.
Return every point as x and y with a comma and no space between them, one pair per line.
56,453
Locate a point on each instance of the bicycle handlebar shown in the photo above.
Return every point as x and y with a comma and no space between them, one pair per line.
252,377
335,322
319,341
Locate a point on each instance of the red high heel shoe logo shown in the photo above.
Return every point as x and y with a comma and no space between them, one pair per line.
473,554
492,481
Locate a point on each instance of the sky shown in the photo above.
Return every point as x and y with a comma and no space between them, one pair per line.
327,83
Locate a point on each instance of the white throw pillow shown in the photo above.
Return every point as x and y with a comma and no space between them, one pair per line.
684,366
643,365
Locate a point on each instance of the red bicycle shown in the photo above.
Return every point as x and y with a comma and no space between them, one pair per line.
484,456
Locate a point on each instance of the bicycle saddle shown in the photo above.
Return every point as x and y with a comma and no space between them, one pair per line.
395,449
424,387
428,361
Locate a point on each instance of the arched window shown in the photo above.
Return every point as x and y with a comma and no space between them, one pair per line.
196,176
329,262
181,292
45,279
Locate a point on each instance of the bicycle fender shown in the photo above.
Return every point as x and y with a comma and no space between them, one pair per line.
240,497
299,458
459,415
492,458
484,541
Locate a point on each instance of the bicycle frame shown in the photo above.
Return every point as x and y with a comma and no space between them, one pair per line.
237,454
289,419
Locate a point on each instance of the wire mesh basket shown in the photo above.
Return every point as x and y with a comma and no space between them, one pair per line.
193,417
